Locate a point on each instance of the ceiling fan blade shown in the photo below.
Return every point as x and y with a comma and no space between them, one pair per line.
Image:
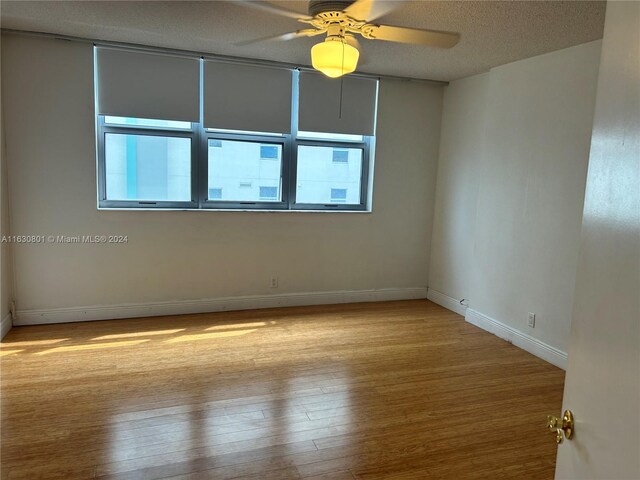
309,32
432,38
368,10
275,9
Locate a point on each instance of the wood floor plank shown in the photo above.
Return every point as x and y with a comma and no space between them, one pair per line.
391,390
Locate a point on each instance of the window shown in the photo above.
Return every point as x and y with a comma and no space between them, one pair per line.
340,137
146,122
168,163
244,132
339,195
340,156
147,168
269,152
318,178
237,165
268,193
215,194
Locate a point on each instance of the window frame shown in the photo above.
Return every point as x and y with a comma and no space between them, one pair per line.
200,137
364,175
205,203
104,129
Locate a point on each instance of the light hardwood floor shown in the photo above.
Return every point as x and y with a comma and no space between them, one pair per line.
402,390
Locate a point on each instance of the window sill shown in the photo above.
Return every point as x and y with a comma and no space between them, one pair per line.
226,210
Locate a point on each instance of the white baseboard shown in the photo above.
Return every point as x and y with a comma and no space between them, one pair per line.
181,307
5,325
446,301
519,339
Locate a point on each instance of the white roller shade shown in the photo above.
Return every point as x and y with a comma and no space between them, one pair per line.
247,97
148,85
319,107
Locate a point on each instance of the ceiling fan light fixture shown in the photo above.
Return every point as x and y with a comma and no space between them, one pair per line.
334,57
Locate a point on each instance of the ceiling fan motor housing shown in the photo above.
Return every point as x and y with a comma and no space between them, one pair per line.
320,6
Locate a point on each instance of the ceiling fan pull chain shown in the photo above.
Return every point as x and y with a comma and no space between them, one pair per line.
341,82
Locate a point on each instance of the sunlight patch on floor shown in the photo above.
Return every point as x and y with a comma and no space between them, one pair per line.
209,336
4,353
33,343
138,334
239,325
93,346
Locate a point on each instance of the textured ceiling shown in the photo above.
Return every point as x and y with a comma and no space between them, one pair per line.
493,33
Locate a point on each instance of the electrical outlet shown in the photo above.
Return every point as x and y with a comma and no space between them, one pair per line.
274,282
531,320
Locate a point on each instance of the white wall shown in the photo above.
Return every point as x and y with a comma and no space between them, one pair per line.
511,179
48,92
461,147
6,274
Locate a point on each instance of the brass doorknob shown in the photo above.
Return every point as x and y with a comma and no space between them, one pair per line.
562,427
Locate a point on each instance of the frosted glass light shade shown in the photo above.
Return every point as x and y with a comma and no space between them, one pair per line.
334,57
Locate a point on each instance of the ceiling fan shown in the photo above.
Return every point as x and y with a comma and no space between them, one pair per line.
341,20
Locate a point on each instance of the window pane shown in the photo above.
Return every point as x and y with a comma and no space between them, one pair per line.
245,171
147,167
322,180
244,132
144,122
331,136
